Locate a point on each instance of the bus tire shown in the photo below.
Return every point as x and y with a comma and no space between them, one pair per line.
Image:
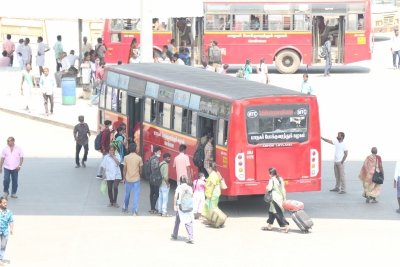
287,61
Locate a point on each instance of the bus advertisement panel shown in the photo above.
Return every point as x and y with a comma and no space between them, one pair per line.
384,16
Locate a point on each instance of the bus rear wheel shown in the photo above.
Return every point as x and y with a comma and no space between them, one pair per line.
287,61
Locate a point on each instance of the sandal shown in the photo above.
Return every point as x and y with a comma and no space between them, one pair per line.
166,215
153,211
110,205
287,231
374,201
266,229
116,205
367,200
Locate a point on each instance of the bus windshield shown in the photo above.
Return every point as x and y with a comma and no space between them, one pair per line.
277,123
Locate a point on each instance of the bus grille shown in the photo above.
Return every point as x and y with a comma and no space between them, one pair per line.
388,21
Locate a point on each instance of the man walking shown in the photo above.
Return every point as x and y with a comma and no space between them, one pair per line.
133,169
154,190
81,136
105,145
340,157
9,47
215,56
41,49
86,47
6,219
12,157
182,165
100,49
48,86
164,187
58,50
396,49
328,57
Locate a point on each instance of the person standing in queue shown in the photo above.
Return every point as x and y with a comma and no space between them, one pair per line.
328,57
208,154
182,165
154,190
105,143
277,186
112,174
164,187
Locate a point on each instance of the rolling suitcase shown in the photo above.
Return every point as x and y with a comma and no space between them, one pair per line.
302,220
216,217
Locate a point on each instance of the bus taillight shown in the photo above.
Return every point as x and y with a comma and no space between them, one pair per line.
240,167
314,163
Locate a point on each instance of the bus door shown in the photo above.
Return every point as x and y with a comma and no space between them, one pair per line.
316,42
135,119
209,122
340,39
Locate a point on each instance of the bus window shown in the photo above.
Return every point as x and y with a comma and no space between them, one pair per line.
114,100
164,114
355,22
122,102
192,123
101,119
185,121
149,110
102,100
277,17
115,25
178,119
218,23
223,132
109,97
160,24
301,22
115,37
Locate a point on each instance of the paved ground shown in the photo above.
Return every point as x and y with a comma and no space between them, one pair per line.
63,220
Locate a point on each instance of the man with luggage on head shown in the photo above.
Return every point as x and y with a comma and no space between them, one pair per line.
164,187
183,206
105,145
341,152
132,175
154,190
328,57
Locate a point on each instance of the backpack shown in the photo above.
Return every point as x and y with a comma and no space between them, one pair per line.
156,177
323,52
147,169
204,60
97,141
198,156
240,73
216,55
186,200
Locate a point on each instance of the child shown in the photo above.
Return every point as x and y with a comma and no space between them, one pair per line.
225,70
198,195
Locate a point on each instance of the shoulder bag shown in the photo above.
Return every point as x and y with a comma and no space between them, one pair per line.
377,177
268,194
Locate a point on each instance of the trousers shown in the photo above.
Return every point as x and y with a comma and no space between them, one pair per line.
128,188
154,193
396,54
46,106
189,227
14,179
278,216
78,150
4,240
328,65
340,177
113,186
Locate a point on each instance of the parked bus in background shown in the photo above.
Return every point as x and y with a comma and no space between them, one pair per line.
289,34
385,15
255,126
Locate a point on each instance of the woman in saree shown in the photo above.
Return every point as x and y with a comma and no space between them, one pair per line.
277,186
133,46
136,137
213,189
372,162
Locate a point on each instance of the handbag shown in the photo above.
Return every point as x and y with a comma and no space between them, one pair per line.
223,184
377,177
268,195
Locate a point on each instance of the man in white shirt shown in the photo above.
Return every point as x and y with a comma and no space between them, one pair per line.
396,49
26,52
178,61
41,49
72,58
135,57
18,50
48,86
86,47
64,68
340,157
163,58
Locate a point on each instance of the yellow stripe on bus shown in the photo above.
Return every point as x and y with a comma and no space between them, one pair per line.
355,32
261,32
171,132
119,115
222,148
128,32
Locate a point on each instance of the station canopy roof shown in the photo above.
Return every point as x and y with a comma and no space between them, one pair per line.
78,9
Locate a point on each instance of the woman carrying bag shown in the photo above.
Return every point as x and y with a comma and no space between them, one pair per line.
277,187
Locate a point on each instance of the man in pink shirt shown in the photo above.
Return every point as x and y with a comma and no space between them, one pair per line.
5,60
9,46
182,165
12,158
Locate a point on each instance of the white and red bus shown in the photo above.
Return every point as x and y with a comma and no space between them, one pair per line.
255,126
384,15
288,34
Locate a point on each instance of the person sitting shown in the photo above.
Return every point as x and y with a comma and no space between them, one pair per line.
5,60
65,66
163,58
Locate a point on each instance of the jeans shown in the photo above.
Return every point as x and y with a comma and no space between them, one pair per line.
14,179
78,150
154,191
189,227
95,99
128,189
396,54
163,199
100,171
328,65
4,239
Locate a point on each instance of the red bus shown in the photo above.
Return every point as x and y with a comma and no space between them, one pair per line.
256,126
289,33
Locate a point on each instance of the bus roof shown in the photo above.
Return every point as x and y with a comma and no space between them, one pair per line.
201,81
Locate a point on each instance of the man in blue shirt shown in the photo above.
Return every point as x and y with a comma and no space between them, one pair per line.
306,86
6,219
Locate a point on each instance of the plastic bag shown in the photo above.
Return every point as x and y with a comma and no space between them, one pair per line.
103,188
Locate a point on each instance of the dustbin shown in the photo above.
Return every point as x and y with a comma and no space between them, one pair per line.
68,86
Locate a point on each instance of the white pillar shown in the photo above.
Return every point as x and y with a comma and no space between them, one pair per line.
146,31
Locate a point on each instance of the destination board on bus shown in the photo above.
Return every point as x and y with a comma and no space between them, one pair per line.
137,86
152,89
112,79
181,98
277,123
194,102
166,94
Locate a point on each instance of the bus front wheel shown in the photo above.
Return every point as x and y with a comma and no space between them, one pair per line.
287,61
